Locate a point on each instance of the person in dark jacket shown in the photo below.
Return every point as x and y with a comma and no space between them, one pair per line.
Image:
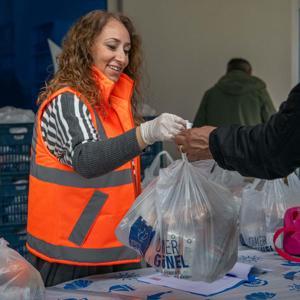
269,150
237,98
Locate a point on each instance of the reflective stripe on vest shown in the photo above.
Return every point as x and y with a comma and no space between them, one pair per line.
79,254
65,178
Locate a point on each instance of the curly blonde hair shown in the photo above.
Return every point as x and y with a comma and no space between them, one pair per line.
75,62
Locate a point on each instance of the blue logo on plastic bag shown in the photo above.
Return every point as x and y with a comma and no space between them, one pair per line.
157,296
141,235
121,288
78,284
260,296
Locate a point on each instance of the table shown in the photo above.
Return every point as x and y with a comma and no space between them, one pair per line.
281,281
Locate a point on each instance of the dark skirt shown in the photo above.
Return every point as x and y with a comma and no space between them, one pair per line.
55,273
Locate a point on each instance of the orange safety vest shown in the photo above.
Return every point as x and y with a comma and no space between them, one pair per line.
71,219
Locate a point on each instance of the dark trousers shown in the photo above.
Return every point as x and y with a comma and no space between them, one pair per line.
54,273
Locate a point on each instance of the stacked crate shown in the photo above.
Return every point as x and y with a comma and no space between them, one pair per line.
15,142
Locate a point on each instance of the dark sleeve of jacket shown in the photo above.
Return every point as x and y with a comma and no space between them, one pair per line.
270,150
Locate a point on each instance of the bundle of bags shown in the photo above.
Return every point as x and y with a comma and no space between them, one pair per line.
183,224
264,203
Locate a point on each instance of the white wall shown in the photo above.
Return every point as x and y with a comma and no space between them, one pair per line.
188,43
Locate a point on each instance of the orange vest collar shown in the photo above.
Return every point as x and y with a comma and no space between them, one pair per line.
122,88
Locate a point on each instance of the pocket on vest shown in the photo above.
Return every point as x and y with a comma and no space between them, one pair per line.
87,218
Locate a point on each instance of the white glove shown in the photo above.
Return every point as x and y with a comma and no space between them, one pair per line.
162,128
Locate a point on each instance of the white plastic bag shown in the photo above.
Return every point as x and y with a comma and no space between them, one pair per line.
153,170
19,280
262,211
184,225
205,166
294,187
10,114
231,180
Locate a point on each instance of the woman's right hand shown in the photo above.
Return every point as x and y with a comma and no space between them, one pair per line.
163,128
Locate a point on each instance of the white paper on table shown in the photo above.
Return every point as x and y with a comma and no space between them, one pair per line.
240,270
237,275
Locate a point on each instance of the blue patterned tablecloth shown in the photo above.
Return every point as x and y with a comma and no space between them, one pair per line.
281,281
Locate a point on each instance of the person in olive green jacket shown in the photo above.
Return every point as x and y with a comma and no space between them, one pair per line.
237,98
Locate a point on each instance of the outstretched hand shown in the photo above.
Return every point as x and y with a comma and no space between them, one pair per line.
195,142
163,128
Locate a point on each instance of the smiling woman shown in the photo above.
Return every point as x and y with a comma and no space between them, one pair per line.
85,169
111,49
91,42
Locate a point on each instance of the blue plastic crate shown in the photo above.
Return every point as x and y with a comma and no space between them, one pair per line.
13,203
16,237
15,143
150,151
149,154
13,211
146,161
153,149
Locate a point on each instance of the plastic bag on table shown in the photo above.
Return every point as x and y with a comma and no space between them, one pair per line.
18,278
183,225
262,211
153,170
294,187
